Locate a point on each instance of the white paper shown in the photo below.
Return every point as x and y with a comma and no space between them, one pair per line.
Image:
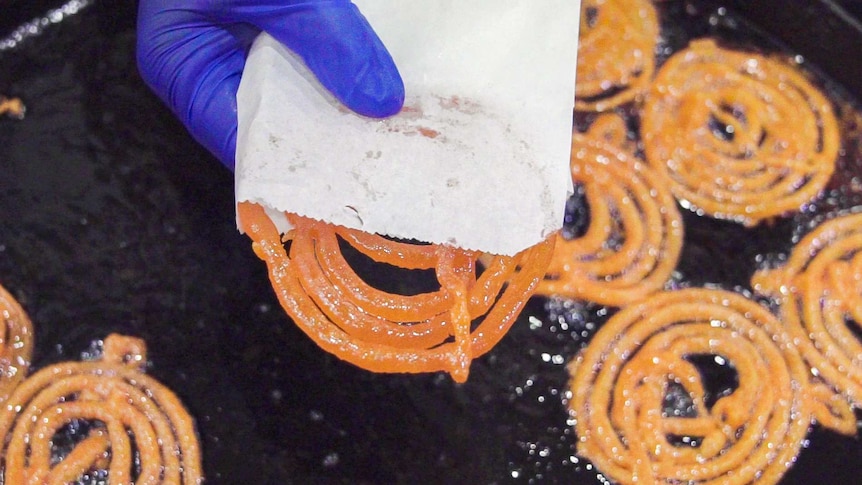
479,156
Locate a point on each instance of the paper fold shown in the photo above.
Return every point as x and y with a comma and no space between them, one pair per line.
479,156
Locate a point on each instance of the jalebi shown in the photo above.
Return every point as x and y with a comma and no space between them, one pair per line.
820,293
738,135
441,330
16,343
645,353
136,430
635,232
616,52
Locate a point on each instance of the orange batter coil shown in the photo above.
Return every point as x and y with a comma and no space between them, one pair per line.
616,52
820,293
440,330
139,432
621,380
738,135
634,238
612,129
16,343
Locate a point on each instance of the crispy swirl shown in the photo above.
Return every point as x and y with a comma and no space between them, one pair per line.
616,52
16,343
738,135
440,330
635,233
820,293
622,379
138,431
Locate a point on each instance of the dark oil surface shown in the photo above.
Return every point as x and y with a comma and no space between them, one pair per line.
113,220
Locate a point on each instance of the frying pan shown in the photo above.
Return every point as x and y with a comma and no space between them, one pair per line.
113,220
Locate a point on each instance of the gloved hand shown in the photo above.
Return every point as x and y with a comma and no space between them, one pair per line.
192,52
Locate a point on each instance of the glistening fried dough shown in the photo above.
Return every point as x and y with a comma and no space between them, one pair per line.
16,343
441,330
616,52
620,382
738,135
634,237
137,430
820,293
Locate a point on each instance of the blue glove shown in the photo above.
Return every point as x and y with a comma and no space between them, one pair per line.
192,52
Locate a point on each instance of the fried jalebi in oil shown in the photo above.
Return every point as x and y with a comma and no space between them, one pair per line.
820,293
738,135
616,52
16,343
644,358
635,232
136,430
441,330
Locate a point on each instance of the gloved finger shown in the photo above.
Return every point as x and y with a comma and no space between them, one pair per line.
195,67
192,55
339,47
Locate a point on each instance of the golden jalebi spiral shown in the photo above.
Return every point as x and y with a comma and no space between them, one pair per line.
738,135
16,343
440,330
635,232
820,293
622,380
616,52
137,430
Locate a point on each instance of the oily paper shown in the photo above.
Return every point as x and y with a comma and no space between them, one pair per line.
479,156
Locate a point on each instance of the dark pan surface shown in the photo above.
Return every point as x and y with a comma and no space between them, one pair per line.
113,220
